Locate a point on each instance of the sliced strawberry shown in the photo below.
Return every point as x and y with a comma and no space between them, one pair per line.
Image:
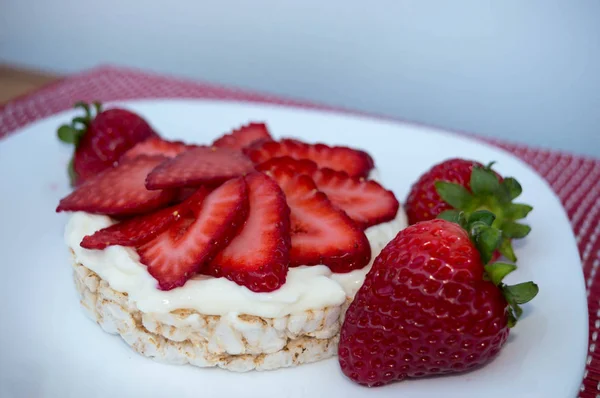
366,202
184,193
157,146
119,191
141,229
202,165
355,162
244,136
191,243
258,256
298,166
134,231
321,233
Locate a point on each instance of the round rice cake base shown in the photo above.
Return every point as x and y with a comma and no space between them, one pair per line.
235,342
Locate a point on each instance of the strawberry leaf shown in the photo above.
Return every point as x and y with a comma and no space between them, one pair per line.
484,216
450,215
484,181
512,321
523,292
512,186
518,294
515,230
514,313
455,216
68,134
486,239
455,195
516,211
514,310
497,271
506,249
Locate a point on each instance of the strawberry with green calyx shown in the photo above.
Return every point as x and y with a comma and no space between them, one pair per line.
430,305
100,138
464,185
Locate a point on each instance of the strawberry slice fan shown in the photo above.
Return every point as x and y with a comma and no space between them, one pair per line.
195,209
577,184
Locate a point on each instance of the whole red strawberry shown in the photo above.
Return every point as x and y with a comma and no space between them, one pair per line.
100,138
466,185
429,306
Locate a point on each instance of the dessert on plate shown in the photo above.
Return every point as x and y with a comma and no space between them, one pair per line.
252,253
242,254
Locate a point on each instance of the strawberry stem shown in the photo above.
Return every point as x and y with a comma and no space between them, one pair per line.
97,106
86,108
81,120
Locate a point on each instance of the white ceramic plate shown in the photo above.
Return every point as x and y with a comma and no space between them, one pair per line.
50,349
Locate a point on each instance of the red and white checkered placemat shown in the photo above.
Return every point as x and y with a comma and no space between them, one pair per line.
576,180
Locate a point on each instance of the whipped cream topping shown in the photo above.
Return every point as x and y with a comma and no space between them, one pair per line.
306,287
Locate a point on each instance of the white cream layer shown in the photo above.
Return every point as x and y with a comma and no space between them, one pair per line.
306,287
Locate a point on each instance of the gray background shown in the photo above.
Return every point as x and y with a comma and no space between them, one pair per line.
523,70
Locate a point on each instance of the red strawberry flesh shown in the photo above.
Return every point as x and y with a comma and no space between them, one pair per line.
191,243
119,191
366,202
320,232
184,193
244,136
202,165
138,230
157,146
133,231
355,162
298,166
258,256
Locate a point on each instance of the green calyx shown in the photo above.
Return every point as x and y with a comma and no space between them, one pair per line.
487,238
480,226
73,132
487,192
